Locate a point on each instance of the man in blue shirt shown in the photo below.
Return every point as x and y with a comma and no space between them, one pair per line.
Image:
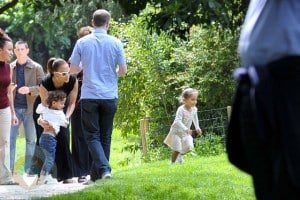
102,59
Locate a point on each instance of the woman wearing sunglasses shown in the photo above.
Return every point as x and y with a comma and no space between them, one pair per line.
58,78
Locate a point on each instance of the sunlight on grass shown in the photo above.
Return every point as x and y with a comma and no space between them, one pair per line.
20,155
119,157
198,178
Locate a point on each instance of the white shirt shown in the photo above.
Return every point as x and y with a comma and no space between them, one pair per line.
56,118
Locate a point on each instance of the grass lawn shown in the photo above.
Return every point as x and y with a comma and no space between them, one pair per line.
20,155
198,178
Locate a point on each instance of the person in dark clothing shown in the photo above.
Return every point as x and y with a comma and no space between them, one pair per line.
58,78
82,159
263,136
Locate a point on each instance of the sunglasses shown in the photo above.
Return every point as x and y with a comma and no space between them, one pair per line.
63,73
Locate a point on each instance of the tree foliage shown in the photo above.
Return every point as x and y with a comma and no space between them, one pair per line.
160,63
132,7
51,28
160,67
176,16
5,5
35,4
179,15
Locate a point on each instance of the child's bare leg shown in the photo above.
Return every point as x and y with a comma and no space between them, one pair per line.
174,156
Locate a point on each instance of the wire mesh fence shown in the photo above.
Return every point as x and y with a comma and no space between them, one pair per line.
213,121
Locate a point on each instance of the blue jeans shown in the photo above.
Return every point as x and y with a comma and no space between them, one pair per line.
48,145
97,123
30,136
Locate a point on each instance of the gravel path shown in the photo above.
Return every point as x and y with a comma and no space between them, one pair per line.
28,188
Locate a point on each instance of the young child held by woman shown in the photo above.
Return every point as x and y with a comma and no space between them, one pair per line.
55,116
180,138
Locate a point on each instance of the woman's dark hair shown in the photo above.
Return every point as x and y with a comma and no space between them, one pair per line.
54,64
55,95
4,38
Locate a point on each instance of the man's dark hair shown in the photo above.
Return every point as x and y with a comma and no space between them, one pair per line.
22,42
101,17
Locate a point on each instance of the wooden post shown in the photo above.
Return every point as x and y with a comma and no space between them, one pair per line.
228,112
144,128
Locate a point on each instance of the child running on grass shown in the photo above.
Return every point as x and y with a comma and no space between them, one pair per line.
179,138
56,117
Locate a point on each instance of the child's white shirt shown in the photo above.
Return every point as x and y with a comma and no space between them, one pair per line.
184,119
56,118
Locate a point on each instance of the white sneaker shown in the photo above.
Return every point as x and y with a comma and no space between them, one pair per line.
51,180
106,175
88,182
180,158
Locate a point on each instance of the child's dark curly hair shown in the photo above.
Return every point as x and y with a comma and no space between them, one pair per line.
55,95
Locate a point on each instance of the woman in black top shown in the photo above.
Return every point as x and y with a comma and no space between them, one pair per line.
58,78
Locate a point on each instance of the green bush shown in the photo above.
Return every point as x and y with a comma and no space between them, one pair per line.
159,66
209,145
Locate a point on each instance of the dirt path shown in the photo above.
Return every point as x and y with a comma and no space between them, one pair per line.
28,188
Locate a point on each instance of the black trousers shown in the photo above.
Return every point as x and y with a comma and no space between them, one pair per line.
263,136
82,160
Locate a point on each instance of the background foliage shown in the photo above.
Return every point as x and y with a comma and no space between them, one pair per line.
160,67
169,45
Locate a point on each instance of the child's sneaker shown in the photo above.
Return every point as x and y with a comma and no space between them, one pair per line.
180,158
51,180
